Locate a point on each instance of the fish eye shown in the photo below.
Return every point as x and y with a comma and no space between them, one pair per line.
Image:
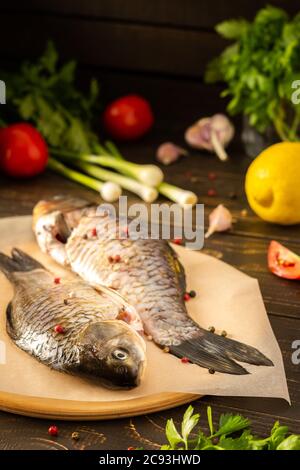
120,354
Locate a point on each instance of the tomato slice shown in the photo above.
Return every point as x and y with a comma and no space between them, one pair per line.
283,262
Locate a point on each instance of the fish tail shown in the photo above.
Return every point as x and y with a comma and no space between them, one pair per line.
18,262
219,353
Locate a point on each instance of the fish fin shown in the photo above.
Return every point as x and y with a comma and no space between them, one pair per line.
19,262
219,354
9,322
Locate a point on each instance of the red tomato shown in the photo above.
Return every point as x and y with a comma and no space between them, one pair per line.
23,151
283,262
128,118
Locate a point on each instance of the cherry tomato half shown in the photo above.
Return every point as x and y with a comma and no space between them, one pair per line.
23,151
128,118
283,262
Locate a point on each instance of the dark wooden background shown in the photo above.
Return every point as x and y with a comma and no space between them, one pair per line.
158,48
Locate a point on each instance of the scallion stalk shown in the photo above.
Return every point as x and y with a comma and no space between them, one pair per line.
147,193
150,175
180,196
110,191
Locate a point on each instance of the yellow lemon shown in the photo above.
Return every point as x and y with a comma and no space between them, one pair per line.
273,184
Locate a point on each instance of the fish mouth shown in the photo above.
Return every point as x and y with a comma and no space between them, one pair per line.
125,383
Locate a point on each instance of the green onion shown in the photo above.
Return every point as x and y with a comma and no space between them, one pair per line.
147,193
180,196
151,175
110,191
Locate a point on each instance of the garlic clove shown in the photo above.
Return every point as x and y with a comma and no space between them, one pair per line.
220,220
168,153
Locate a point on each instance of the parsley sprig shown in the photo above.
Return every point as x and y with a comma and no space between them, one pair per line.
233,433
44,93
259,69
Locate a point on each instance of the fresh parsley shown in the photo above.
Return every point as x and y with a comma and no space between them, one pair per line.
233,433
259,69
45,94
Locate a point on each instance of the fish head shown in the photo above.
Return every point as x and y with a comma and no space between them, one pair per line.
53,222
113,352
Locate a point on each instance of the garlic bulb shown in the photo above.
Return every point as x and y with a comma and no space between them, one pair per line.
212,134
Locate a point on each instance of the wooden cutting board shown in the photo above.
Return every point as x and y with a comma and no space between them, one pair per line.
52,408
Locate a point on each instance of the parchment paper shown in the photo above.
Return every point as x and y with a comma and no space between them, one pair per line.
226,298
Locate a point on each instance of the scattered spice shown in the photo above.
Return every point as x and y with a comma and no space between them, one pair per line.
224,333
114,259
185,360
94,232
220,220
211,192
178,241
66,301
57,280
53,431
59,329
166,349
75,435
211,371
186,297
211,329
85,237
124,315
192,294
195,179
244,213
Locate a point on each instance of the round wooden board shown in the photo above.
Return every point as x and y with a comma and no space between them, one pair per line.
51,408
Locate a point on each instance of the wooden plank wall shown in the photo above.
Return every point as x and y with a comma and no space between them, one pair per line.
173,37
131,45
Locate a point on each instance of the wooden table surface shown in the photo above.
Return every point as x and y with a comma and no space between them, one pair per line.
245,248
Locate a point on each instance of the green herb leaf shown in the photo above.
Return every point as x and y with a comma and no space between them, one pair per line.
188,423
232,29
290,443
209,420
172,434
278,434
259,68
230,423
240,443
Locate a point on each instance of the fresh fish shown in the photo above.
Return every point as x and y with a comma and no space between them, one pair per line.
147,273
69,326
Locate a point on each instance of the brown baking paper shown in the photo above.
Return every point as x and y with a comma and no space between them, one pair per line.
226,298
